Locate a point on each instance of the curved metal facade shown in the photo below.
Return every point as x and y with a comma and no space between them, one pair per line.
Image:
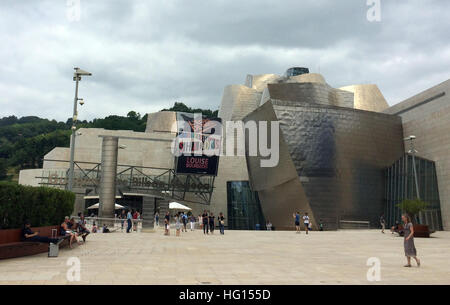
338,156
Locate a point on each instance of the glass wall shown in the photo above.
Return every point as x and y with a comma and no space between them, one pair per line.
244,209
296,71
400,185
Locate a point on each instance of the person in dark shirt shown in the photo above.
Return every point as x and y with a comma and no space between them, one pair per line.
205,222
167,224
29,235
211,223
82,229
221,223
184,219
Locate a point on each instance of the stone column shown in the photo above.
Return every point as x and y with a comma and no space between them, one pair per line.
107,192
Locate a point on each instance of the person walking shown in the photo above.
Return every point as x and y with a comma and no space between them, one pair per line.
135,216
383,223
157,219
167,224
211,223
205,222
129,221
184,219
138,219
306,222
221,223
178,224
297,221
192,222
122,218
410,248
200,221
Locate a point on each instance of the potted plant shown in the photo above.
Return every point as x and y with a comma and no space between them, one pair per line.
413,207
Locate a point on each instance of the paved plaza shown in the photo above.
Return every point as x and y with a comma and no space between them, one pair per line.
238,257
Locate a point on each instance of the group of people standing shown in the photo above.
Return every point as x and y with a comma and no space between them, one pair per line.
132,217
206,222
306,222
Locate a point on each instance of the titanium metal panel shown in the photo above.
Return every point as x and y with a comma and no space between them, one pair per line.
339,155
279,189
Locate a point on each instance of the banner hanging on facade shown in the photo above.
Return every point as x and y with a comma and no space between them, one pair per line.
198,144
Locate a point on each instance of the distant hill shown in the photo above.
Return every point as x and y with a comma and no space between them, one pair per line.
25,141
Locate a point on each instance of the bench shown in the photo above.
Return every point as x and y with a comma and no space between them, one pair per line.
18,249
12,246
352,224
419,231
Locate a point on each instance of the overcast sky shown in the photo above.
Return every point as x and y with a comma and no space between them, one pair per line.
144,55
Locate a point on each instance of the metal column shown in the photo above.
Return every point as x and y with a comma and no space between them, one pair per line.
107,192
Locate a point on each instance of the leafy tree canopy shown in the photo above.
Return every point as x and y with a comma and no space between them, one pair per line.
25,141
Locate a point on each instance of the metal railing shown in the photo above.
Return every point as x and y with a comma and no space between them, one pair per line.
113,224
163,181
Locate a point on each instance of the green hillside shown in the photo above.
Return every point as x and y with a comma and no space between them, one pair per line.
25,141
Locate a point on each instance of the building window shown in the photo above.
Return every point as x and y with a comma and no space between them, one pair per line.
244,209
400,185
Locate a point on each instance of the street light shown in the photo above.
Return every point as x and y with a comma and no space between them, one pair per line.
413,152
76,77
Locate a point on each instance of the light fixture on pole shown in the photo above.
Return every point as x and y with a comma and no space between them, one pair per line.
76,77
413,152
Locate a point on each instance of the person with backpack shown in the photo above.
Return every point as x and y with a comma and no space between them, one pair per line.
184,220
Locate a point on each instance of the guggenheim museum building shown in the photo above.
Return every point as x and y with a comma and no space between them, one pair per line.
345,156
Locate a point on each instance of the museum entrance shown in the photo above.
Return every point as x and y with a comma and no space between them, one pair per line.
244,209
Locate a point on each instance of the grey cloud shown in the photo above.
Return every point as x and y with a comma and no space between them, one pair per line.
144,55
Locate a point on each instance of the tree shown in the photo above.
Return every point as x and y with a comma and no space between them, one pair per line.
133,115
412,207
3,169
181,107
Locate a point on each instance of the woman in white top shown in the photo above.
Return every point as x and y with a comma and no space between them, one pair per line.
306,222
200,221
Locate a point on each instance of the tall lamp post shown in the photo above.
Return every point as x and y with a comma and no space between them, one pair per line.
413,152
76,77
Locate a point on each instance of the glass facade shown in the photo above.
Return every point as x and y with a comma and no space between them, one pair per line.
244,209
296,71
400,185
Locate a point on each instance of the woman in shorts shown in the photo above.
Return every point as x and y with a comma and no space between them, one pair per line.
177,224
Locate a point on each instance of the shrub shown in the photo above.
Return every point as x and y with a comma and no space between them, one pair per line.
42,206
412,207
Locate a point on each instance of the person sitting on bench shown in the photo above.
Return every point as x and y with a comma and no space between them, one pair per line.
82,230
29,235
397,229
65,230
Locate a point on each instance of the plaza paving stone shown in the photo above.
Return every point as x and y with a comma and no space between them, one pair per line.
238,257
